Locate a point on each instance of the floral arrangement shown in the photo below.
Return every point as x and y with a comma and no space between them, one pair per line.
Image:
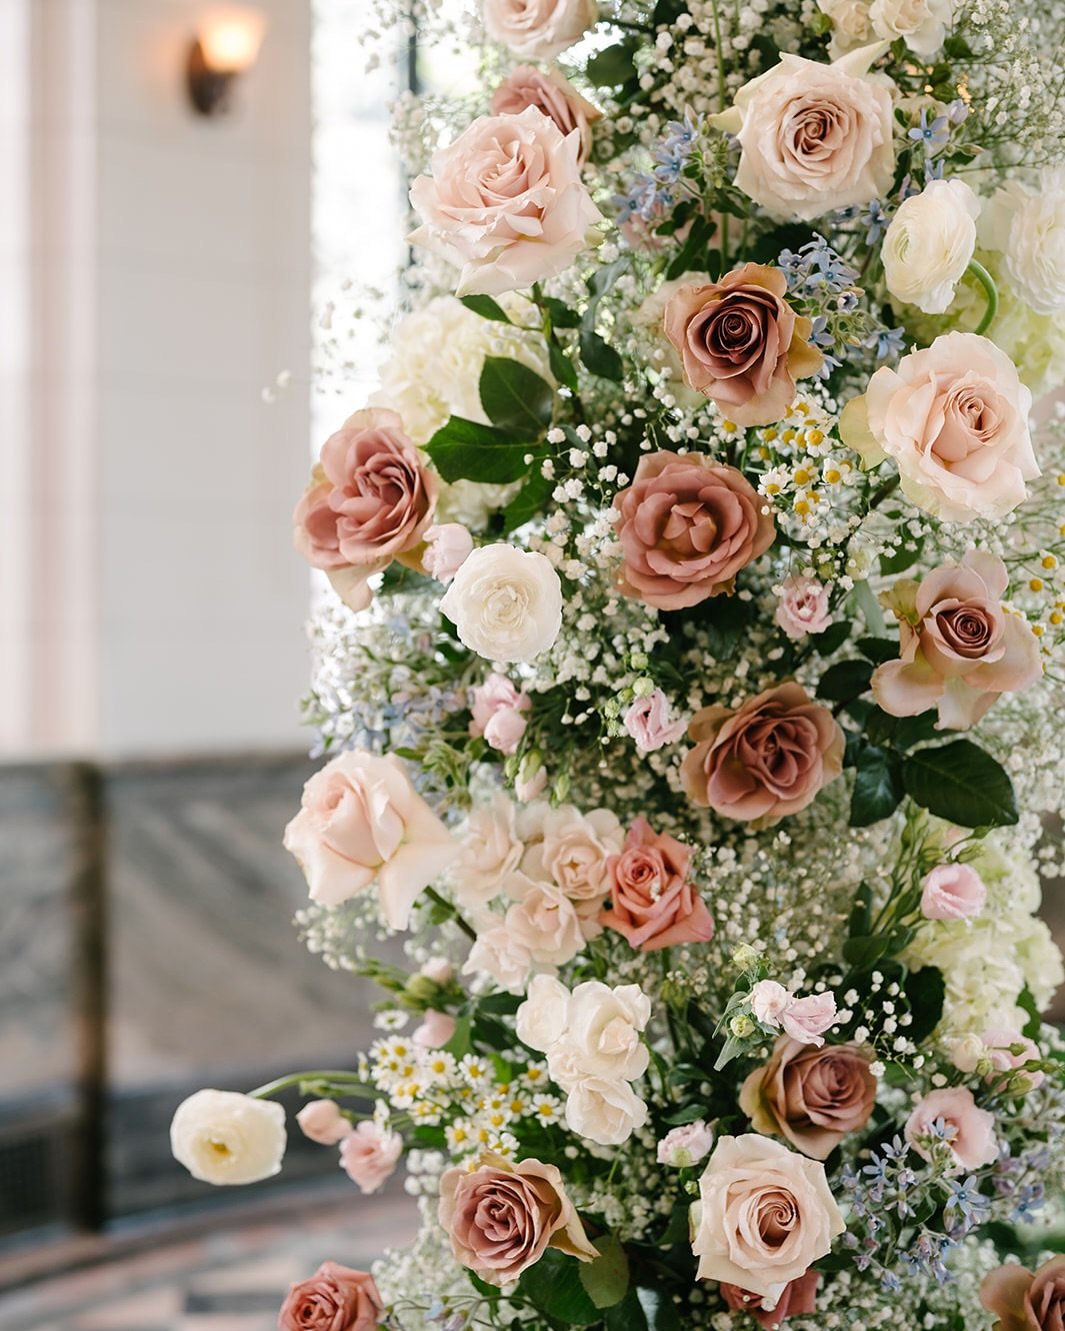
690,679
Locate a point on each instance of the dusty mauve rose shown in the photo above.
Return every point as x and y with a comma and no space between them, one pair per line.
1026,1301
970,1131
321,1121
335,1298
552,94
764,761
650,722
368,1155
814,137
688,525
799,1296
501,1216
959,648
741,343
539,29
765,1215
505,203
813,1097
952,892
803,607
652,902
369,501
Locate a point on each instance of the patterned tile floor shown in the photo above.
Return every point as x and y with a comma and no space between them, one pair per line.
228,1280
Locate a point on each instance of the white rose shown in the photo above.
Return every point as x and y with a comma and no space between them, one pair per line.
603,1030
1027,226
545,923
604,1111
505,603
541,1020
489,851
851,25
539,29
498,954
929,244
223,1137
922,24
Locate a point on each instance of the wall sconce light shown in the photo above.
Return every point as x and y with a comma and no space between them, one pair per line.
227,43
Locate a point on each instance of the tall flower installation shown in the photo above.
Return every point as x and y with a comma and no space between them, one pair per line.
688,691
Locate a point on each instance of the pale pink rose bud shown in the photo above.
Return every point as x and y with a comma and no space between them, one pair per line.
952,892
803,607
435,1030
532,780
769,1001
322,1122
497,694
368,1155
439,970
999,1046
807,1019
650,723
446,549
505,729
685,1146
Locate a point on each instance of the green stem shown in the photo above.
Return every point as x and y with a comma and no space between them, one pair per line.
870,608
352,1083
990,291
722,93
438,900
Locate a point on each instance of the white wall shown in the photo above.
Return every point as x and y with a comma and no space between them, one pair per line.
172,282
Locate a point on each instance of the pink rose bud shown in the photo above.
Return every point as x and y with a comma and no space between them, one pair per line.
998,1046
505,729
322,1122
953,892
685,1146
650,723
497,694
439,970
447,547
808,1018
368,1155
769,1001
803,607
532,779
435,1030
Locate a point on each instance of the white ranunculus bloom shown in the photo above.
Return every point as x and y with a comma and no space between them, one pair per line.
605,1111
505,603
929,244
922,24
603,1030
1027,226
541,1019
223,1137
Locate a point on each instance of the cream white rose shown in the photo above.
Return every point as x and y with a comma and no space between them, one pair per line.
489,851
223,1137
541,1020
505,603
922,24
545,923
1027,226
605,1111
539,29
814,137
929,244
851,25
498,954
602,1034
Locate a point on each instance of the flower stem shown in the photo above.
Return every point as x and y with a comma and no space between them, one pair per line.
350,1081
435,897
990,291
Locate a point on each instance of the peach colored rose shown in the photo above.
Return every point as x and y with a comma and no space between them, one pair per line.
969,1130
952,892
499,954
688,525
369,1154
741,343
552,94
651,724
803,607
765,1214
335,1298
812,1096
321,1121
501,1217
361,821
959,648
652,902
954,417
764,761
539,29
814,137
505,203
369,501
799,1296
1023,1301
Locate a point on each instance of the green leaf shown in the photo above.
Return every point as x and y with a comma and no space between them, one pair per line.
483,1287
515,398
613,66
606,1280
500,1004
530,500
961,783
554,1286
845,680
911,730
658,1309
628,1315
861,916
878,787
561,366
487,308
600,357
904,557
832,639
1026,1002
925,991
562,316
878,650
465,450
459,1044
692,256
866,951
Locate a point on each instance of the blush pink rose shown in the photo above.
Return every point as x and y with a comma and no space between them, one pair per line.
959,648
764,761
811,1096
952,892
650,723
652,902
687,527
369,501
539,29
799,1296
741,343
321,1121
1023,1301
999,1046
335,1298
446,549
436,1029
552,94
502,1216
803,607
361,821
505,203
369,1155
969,1130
